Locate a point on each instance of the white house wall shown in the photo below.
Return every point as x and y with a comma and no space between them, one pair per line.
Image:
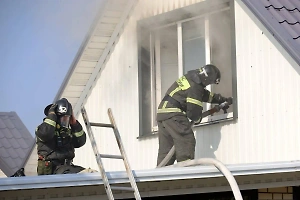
117,88
268,101
270,82
268,88
31,165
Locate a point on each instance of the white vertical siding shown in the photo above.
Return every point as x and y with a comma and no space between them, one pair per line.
268,92
268,101
268,88
117,88
2,174
31,165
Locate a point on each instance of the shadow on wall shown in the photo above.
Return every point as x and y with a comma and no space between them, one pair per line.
208,138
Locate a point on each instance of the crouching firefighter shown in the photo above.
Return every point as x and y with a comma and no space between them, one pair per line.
57,137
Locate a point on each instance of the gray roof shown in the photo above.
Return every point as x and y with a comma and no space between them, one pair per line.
16,143
282,19
273,171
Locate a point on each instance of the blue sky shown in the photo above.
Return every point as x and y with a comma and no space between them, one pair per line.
38,42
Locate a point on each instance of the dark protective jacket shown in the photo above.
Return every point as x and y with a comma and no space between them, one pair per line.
188,93
56,143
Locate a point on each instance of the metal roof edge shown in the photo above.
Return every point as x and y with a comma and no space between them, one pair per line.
158,174
273,27
80,51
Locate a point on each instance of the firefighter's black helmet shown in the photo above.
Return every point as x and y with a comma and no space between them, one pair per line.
210,74
63,107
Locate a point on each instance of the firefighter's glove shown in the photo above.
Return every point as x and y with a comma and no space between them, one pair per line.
73,120
229,101
52,110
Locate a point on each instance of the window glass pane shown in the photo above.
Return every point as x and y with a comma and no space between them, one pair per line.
145,82
166,47
193,43
221,51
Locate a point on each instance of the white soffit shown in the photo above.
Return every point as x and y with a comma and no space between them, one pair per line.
94,51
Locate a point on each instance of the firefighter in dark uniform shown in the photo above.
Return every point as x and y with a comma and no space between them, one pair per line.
181,106
56,139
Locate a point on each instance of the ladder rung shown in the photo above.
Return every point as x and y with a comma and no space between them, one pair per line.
122,188
111,156
101,125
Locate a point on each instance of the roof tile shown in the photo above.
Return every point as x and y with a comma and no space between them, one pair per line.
287,14
4,153
16,134
16,143
5,143
12,153
11,163
8,122
22,143
2,124
6,133
20,153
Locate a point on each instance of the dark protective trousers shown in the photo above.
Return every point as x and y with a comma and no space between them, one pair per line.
68,169
50,167
176,131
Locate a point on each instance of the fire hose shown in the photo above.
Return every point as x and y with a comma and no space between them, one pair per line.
220,166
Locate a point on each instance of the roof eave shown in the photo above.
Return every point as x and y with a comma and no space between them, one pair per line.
151,175
80,52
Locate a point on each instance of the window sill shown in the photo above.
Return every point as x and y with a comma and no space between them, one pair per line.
147,136
215,119
205,121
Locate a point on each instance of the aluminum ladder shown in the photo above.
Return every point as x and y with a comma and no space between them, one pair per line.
108,187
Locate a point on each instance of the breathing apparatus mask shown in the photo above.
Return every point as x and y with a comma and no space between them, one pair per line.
63,112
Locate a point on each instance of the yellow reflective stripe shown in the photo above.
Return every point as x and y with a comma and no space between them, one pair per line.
174,91
78,134
194,101
210,97
50,122
165,104
183,83
168,110
171,94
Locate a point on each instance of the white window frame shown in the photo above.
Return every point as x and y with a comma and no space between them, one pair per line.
155,69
